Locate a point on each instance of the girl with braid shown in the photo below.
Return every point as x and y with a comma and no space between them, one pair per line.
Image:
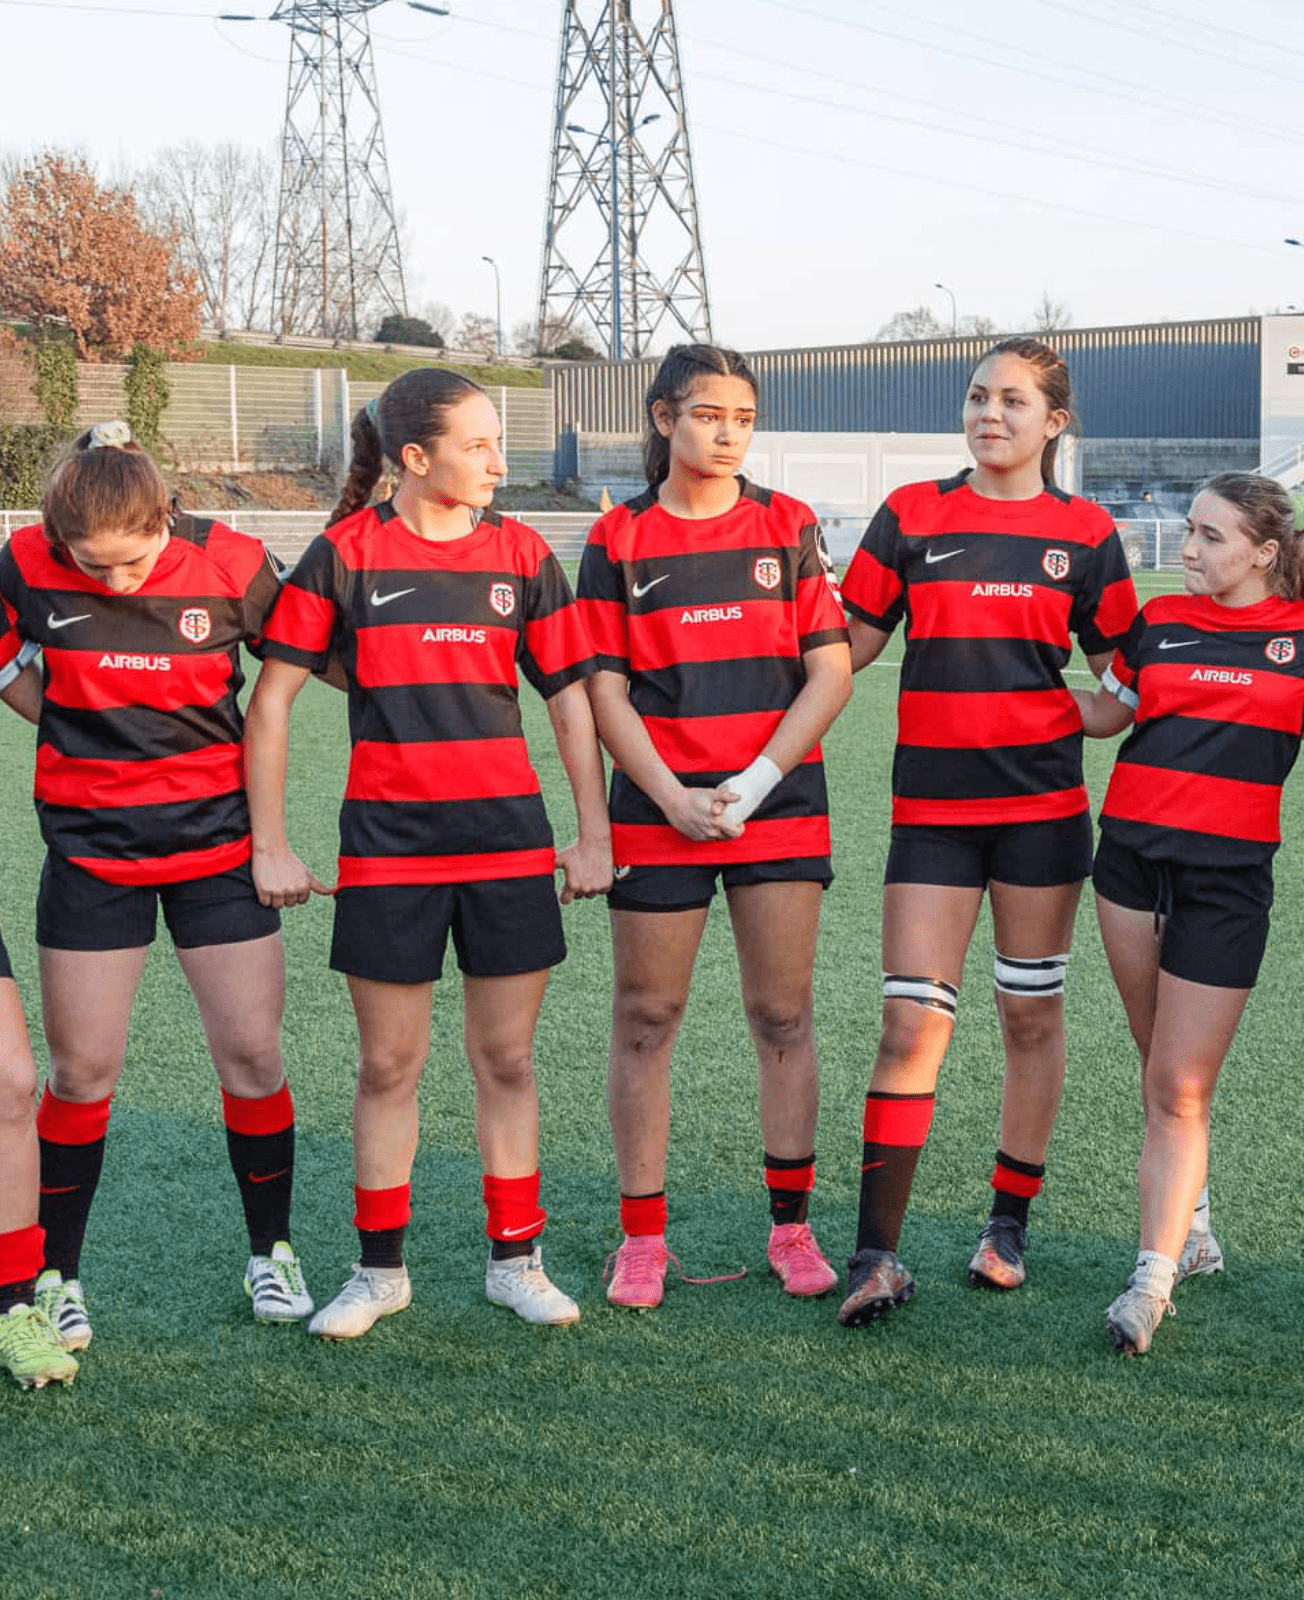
1213,682
433,604
139,612
994,571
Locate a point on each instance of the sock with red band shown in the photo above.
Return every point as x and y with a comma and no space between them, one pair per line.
643,1215
260,1143
790,1181
381,1217
896,1126
72,1138
515,1217
1015,1183
22,1252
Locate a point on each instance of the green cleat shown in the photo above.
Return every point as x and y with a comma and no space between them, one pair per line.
29,1347
63,1303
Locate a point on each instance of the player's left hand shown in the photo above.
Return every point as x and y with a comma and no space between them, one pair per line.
586,869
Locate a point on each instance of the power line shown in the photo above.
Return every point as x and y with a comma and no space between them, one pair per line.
1169,39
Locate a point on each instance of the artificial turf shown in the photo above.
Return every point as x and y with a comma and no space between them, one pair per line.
734,1442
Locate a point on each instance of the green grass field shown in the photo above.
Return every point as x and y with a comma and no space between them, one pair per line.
733,1443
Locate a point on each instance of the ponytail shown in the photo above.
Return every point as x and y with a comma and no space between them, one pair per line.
1051,377
683,365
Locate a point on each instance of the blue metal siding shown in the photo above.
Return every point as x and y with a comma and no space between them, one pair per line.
1182,380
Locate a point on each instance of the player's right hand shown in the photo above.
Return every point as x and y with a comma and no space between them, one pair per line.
281,879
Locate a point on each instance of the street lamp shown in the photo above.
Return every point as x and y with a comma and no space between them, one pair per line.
955,326
498,303
617,351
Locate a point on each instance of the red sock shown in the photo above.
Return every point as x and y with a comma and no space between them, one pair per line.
514,1213
22,1252
1016,1183
896,1126
643,1215
381,1217
790,1182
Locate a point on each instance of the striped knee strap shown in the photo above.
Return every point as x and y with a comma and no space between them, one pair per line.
1033,979
931,992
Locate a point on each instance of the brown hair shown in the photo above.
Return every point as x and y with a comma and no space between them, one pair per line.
1052,378
683,365
98,486
1267,512
412,410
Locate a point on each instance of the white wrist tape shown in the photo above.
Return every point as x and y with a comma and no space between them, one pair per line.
751,785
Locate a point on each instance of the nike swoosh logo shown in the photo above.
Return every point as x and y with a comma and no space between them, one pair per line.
943,555
872,1166
55,623
378,599
640,589
515,1233
1176,644
266,1177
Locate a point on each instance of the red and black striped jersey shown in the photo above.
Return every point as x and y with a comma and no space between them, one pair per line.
139,765
709,621
1218,693
431,634
992,592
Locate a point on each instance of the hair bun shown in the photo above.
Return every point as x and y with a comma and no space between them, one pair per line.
108,436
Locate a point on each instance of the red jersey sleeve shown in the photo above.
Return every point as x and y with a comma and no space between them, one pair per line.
555,648
602,598
820,618
872,588
12,643
1105,606
300,621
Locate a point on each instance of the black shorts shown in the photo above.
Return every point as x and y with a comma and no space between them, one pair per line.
397,933
6,971
1215,919
689,888
75,910
1033,855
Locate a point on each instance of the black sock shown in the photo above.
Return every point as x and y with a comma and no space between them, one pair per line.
263,1164
1014,1184
381,1247
17,1294
70,1174
789,1205
896,1126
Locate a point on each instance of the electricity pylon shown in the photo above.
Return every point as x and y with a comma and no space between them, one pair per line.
622,252
338,261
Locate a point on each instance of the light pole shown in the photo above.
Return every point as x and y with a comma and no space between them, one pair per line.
498,304
617,346
955,326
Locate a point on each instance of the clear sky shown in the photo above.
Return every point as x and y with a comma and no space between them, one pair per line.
1135,161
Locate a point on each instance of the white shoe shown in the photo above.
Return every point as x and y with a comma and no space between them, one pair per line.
521,1284
274,1283
64,1304
371,1293
1200,1253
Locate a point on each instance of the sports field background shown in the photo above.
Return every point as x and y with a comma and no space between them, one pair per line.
735,1442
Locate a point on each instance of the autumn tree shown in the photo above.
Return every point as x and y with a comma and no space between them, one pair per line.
79,254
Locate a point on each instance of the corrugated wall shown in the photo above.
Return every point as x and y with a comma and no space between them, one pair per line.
1180,380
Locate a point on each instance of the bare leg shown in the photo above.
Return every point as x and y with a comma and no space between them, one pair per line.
240,992
775,926
501,1014
394,1041
19,1151
653,953
86,1000
1031,924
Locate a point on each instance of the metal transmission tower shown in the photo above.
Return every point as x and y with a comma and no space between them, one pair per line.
337,251
622,250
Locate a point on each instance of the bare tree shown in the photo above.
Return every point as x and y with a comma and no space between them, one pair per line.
440,317
559,337
220,201
1050,316
477,335
917,323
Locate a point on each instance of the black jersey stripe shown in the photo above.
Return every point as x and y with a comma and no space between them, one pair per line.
376,828
1009,771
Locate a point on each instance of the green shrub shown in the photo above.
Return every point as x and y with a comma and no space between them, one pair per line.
26,451
148,393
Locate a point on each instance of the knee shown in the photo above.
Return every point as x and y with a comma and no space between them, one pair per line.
909,1032
645,1024
508,1067
1178,1100
780,1028
17,1091
253,1068
1031,1026
389,1071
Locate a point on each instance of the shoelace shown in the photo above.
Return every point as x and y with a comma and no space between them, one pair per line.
672,1260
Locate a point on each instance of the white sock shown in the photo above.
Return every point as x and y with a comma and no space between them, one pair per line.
1200,1217
1154,1273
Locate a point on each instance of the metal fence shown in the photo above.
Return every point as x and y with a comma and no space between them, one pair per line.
233,419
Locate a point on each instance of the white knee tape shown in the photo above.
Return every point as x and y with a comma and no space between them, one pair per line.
1032,979
923,991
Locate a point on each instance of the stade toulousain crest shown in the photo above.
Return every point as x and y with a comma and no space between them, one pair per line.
194,624
1055,564
767,572
1280,651
502,597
